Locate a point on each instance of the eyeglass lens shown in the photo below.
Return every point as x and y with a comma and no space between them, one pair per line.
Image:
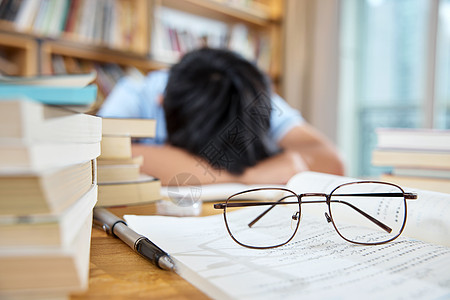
363,213
368,213
268,223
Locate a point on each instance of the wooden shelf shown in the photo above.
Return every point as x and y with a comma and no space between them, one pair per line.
223,11
98,53
21,52
33,53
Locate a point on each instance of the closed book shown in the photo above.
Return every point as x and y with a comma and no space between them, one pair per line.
54,95
39,270
47,192
41,156
47,230
138,128
422,172
441,185
115,147
28,121
414,139
61,80
135,160
114,173
144,190
411,158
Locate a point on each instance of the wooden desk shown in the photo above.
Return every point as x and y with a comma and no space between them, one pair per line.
117,272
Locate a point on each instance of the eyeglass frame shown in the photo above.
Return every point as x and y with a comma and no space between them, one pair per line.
406,196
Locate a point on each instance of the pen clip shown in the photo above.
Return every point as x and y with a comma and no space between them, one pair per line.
107,229
99,224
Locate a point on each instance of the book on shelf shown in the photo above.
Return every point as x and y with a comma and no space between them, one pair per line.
40,230
9,9
117,24
176,32
317,263
47,192
144,190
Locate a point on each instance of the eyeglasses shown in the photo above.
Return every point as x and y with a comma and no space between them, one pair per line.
363,212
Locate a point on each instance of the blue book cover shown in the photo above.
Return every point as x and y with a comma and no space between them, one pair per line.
52,95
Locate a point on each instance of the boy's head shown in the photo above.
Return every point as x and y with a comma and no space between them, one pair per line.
217,106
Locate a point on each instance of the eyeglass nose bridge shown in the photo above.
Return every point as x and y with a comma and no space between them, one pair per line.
313,195
326,196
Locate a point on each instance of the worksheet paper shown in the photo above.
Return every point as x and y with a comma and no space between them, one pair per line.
316,264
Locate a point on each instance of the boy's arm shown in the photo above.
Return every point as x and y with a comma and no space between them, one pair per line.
316,150
304,149
165,162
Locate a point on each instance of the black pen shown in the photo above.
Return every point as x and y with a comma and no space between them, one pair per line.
117,227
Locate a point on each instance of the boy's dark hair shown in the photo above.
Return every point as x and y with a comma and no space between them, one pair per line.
217,106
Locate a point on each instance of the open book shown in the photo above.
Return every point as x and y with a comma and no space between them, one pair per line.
317,264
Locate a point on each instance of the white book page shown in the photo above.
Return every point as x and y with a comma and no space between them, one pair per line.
317,264
427,217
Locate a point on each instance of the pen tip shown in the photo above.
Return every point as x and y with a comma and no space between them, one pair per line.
166,263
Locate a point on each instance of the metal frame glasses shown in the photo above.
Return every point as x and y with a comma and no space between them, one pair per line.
381,205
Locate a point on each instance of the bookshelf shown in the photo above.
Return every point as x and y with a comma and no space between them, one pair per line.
18,54
37,35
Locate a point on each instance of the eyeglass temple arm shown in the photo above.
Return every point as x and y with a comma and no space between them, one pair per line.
243,204
375,221
408,196
267,210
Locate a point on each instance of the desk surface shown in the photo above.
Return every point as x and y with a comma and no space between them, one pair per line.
116,271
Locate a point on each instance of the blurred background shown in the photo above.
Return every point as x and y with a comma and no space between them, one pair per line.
349,66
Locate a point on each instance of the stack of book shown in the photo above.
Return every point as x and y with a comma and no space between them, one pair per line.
47,193
120,181
420,158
